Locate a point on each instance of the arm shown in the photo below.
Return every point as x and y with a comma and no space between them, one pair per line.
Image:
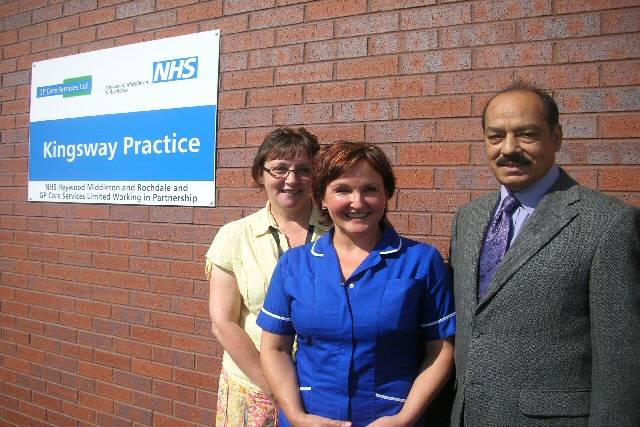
281,375
436,369
614,301
224,308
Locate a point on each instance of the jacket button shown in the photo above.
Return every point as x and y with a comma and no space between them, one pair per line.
476,333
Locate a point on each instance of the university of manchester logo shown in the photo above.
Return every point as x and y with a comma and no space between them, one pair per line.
175,69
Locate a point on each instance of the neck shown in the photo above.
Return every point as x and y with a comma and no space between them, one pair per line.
300,215
348,242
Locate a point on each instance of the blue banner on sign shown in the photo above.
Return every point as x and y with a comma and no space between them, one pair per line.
162,145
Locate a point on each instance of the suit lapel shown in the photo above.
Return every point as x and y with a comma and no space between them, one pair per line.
553,213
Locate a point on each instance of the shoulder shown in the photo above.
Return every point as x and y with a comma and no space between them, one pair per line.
235,229
603,204
421,254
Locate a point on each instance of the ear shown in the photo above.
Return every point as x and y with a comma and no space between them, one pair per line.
556,136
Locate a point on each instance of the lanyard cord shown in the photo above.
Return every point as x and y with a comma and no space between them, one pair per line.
276,237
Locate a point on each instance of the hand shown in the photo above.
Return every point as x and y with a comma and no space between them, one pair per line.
308,420
393,421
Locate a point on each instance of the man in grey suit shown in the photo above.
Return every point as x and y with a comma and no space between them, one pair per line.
547,285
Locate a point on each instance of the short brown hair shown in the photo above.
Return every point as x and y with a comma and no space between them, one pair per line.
283,143
334,160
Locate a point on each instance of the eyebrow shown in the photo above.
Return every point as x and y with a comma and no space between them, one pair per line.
525,127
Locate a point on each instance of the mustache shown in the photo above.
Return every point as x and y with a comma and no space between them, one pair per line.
513,159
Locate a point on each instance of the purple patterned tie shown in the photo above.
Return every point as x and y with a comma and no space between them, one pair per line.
496,242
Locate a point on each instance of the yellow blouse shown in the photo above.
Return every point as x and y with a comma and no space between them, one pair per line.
247,248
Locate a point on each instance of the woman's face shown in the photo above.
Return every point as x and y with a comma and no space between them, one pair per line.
356,200
290,191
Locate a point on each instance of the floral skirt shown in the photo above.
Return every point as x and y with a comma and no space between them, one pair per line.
239,406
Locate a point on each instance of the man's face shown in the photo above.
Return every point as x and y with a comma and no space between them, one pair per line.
520,146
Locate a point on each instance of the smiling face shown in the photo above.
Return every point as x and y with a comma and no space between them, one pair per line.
356,201
520,146
292,192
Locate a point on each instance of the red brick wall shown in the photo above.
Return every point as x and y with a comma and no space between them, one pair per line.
103,313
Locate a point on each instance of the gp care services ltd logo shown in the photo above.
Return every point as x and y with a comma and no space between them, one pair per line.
73,86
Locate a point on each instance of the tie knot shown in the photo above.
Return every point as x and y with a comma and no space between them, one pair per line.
510,203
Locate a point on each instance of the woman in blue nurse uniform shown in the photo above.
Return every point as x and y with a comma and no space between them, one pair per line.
372,311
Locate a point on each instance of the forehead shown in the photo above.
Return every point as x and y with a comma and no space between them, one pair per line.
294,155
515,107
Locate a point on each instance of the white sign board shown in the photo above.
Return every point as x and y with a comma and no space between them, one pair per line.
128,125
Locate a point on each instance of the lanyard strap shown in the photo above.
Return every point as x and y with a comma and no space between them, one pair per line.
276,237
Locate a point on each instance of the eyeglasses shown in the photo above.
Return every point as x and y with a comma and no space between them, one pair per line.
281,172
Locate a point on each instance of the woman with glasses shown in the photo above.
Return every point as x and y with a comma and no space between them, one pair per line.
240,262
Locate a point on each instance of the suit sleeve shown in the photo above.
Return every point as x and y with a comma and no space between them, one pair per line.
614,298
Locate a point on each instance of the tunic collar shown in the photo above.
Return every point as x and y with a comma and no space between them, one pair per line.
389,243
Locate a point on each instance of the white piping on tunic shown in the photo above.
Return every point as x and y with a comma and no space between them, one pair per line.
426,325
305,388
275,316
395,399
313,249
390,251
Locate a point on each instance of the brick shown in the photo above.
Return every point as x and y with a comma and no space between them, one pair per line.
336,49
408,177
134,8
366,24
619,126
239,6
115,29
116,392
30,32
334,132
365,111
9,37
98,16
155,20
74,7
465,179
94,401
275,96
247,79
304,33
599,152
277,17
174,391
459,130
78,352
245,118
601,48
512,56
335,91
150,335
434,154
623,73
435,201
200,12
167,421
129,412
367,67
174,358
303,114
620,21
619,179
431,107
17,21
152,402
193,379
64,393
227,25
47,13
248,41
130,315
327,9
151,369
559,27
16,50
429,62
411,41
84,35
569,6
435,16
579,126
560,76
598,100
477,35
194,413
399,87
272,57
502,10
378,5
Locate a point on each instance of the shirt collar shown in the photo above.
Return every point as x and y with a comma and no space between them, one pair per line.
264,220
389,243
533,194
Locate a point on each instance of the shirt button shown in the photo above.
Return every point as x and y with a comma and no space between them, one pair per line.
341,283
352,286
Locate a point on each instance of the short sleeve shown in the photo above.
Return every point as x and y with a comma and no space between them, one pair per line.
220,252
439,317
275,315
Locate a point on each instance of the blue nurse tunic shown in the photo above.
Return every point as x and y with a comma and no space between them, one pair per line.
360,340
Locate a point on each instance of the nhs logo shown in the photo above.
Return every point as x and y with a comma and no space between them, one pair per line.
175,69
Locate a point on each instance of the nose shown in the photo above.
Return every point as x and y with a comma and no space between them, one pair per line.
291,178
510,144
357,199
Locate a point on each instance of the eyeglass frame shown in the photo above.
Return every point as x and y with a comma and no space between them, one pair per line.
296,171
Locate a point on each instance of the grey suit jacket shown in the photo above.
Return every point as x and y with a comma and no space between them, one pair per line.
556,339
